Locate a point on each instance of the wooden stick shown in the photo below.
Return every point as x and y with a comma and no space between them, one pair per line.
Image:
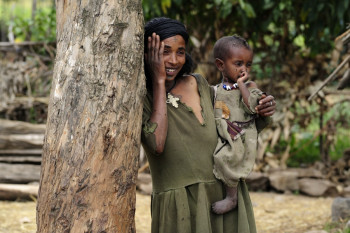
330,77
144,167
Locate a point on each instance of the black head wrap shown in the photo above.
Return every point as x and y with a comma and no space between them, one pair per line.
165,28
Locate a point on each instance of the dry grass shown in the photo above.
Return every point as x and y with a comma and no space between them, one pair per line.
277,213
17,217
274,213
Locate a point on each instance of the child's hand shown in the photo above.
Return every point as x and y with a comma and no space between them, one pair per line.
243,78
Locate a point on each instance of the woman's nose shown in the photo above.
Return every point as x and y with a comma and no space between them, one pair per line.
173,59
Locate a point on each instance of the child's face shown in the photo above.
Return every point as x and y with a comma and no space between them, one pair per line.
238,63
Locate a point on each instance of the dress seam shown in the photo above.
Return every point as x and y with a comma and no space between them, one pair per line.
172,189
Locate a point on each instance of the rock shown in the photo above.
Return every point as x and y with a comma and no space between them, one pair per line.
346,191
145,188
307,172
317,187
144,178
257,181
144,183
347,226
340,208
284,180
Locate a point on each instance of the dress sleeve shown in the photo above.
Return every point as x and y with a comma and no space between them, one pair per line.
262,122
253,100
254,97
148,128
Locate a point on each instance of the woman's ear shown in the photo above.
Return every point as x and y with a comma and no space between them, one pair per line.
219,64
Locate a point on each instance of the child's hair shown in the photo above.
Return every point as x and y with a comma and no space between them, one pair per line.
223,45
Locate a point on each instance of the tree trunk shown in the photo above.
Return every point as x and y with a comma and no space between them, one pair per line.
92,139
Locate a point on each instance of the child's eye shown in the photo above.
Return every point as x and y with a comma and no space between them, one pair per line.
249,64
238,63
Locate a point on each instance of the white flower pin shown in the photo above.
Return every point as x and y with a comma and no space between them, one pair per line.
172,100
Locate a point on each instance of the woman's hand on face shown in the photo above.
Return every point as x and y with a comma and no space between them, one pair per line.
267,105
154,58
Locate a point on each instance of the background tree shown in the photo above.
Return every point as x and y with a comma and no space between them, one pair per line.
276,29
91,147
294,48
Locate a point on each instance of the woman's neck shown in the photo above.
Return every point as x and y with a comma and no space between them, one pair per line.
170,85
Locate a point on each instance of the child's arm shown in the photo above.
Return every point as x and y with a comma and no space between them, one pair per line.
243,87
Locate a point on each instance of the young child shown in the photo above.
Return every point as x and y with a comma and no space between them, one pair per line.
236,119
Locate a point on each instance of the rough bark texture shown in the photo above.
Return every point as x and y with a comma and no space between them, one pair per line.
92,140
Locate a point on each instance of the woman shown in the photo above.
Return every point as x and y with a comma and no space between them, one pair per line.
179,137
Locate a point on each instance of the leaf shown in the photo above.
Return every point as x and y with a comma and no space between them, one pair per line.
217,2
165,5
241,3
268,4
249,11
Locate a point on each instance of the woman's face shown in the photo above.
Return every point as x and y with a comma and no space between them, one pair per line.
174,56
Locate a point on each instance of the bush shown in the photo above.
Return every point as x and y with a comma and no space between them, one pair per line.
42,28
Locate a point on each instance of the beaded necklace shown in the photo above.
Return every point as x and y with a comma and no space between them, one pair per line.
228,87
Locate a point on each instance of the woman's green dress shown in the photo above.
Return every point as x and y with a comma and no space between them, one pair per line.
184,186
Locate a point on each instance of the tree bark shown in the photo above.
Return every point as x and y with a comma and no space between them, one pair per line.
92,140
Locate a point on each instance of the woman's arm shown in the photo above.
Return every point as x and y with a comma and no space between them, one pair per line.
155,62
267,105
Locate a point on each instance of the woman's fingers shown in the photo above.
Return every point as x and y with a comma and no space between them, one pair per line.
153,44
268,111
155,49
154,57
267,105
161,50
265,99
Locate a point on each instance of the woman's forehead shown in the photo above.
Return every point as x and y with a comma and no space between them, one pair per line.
175,40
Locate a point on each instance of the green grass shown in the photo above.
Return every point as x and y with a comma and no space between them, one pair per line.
337,227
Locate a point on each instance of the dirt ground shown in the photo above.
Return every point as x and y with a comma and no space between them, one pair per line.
274,213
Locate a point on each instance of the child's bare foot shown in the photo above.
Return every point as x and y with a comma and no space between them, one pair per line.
224,206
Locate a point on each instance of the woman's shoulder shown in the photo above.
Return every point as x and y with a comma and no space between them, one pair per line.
201,81
197,76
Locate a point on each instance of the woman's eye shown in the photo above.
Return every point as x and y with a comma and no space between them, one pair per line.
166,52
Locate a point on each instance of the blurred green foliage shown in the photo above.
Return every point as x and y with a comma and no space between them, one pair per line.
42,28
280,24
15,16
305,146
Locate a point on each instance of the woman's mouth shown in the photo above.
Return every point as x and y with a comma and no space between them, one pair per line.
170,71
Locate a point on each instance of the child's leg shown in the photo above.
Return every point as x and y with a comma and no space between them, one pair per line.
227,204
